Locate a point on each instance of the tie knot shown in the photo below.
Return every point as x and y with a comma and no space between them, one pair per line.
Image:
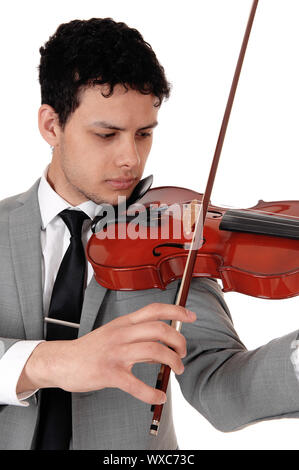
74,221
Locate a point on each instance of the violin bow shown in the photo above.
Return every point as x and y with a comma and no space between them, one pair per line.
197,239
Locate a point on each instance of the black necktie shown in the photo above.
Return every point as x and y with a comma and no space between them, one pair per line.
55,424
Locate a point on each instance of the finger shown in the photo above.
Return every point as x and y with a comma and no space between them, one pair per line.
138,389
152,352
154,331
158,311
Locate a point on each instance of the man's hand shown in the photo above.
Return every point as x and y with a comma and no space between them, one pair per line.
105,357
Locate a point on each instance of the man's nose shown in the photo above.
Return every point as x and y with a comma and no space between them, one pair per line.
128,154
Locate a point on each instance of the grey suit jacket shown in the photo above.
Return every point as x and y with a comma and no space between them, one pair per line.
227,384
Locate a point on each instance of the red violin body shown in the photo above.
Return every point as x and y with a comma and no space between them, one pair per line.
253,251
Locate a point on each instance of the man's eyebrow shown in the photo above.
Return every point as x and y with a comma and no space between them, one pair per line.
150,126
107,125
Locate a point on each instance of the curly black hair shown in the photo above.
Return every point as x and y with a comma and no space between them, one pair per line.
85,53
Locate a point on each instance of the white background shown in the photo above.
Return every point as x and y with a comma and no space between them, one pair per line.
198,42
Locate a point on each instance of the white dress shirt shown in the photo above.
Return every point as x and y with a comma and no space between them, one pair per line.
53,231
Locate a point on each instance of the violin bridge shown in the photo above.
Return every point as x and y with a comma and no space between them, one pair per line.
190,213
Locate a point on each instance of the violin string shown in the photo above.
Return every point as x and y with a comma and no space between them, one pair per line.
248,219
251,211
254,211
259,211
266,221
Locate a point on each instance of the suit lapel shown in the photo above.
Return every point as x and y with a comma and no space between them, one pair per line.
24,232
94,295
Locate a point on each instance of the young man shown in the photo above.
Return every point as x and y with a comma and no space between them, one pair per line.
102,87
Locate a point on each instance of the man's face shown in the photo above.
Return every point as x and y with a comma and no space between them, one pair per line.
102,151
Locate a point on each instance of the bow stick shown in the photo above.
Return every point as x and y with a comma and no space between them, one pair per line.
197,239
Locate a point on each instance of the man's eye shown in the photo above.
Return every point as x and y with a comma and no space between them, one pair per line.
106,136
144,134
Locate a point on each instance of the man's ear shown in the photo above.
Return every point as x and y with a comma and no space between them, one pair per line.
48,124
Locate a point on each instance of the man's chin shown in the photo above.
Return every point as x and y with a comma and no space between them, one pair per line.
119,197
106,196
113,200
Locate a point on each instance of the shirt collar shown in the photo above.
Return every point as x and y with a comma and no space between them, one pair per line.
51,204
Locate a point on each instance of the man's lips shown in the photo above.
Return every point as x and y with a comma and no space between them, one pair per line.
121,183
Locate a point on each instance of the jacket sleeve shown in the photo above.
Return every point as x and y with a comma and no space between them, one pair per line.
229,385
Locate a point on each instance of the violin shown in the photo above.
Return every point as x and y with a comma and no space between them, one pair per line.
252,251
235,246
